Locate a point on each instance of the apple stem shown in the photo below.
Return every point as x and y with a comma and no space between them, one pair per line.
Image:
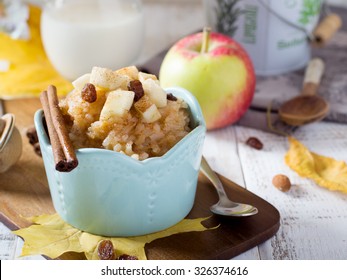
205,39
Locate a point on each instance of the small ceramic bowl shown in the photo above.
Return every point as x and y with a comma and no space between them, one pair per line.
112,194
10,143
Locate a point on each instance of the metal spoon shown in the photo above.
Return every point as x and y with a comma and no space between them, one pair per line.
225,206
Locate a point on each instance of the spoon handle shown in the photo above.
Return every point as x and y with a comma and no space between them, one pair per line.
313,75
212,176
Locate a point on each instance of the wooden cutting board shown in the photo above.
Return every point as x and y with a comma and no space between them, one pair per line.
24,192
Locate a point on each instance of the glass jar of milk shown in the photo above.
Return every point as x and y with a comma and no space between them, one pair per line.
80,34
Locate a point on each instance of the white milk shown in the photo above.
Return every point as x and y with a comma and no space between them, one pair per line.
83,34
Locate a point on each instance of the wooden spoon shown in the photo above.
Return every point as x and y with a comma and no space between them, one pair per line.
307,107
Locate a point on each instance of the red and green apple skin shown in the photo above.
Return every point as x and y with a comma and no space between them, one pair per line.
222,79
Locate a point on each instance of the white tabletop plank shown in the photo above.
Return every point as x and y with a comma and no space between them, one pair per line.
7,243
11,246
313,219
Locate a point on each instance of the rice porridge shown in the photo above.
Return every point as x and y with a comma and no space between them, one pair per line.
126,111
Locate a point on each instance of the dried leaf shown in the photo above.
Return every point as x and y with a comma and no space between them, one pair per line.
51,236
326,172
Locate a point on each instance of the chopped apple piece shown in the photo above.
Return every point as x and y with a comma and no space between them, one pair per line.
155,93
152,114
147,109
145,76
131,71
118,103
107,79
80,82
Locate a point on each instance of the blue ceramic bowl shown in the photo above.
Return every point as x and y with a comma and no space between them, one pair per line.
112,194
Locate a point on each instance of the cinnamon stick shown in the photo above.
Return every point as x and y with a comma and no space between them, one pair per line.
63,152
58,153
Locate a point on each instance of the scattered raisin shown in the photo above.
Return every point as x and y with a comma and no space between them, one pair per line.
32,135
37,149
254,143
281,182
136,87
171,97
105,250
127,257
89,93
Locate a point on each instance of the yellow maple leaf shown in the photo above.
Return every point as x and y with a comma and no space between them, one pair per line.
52,237
325,171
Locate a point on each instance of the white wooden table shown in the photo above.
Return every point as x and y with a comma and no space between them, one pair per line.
313,219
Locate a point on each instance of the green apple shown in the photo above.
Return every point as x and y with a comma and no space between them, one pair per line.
217,70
